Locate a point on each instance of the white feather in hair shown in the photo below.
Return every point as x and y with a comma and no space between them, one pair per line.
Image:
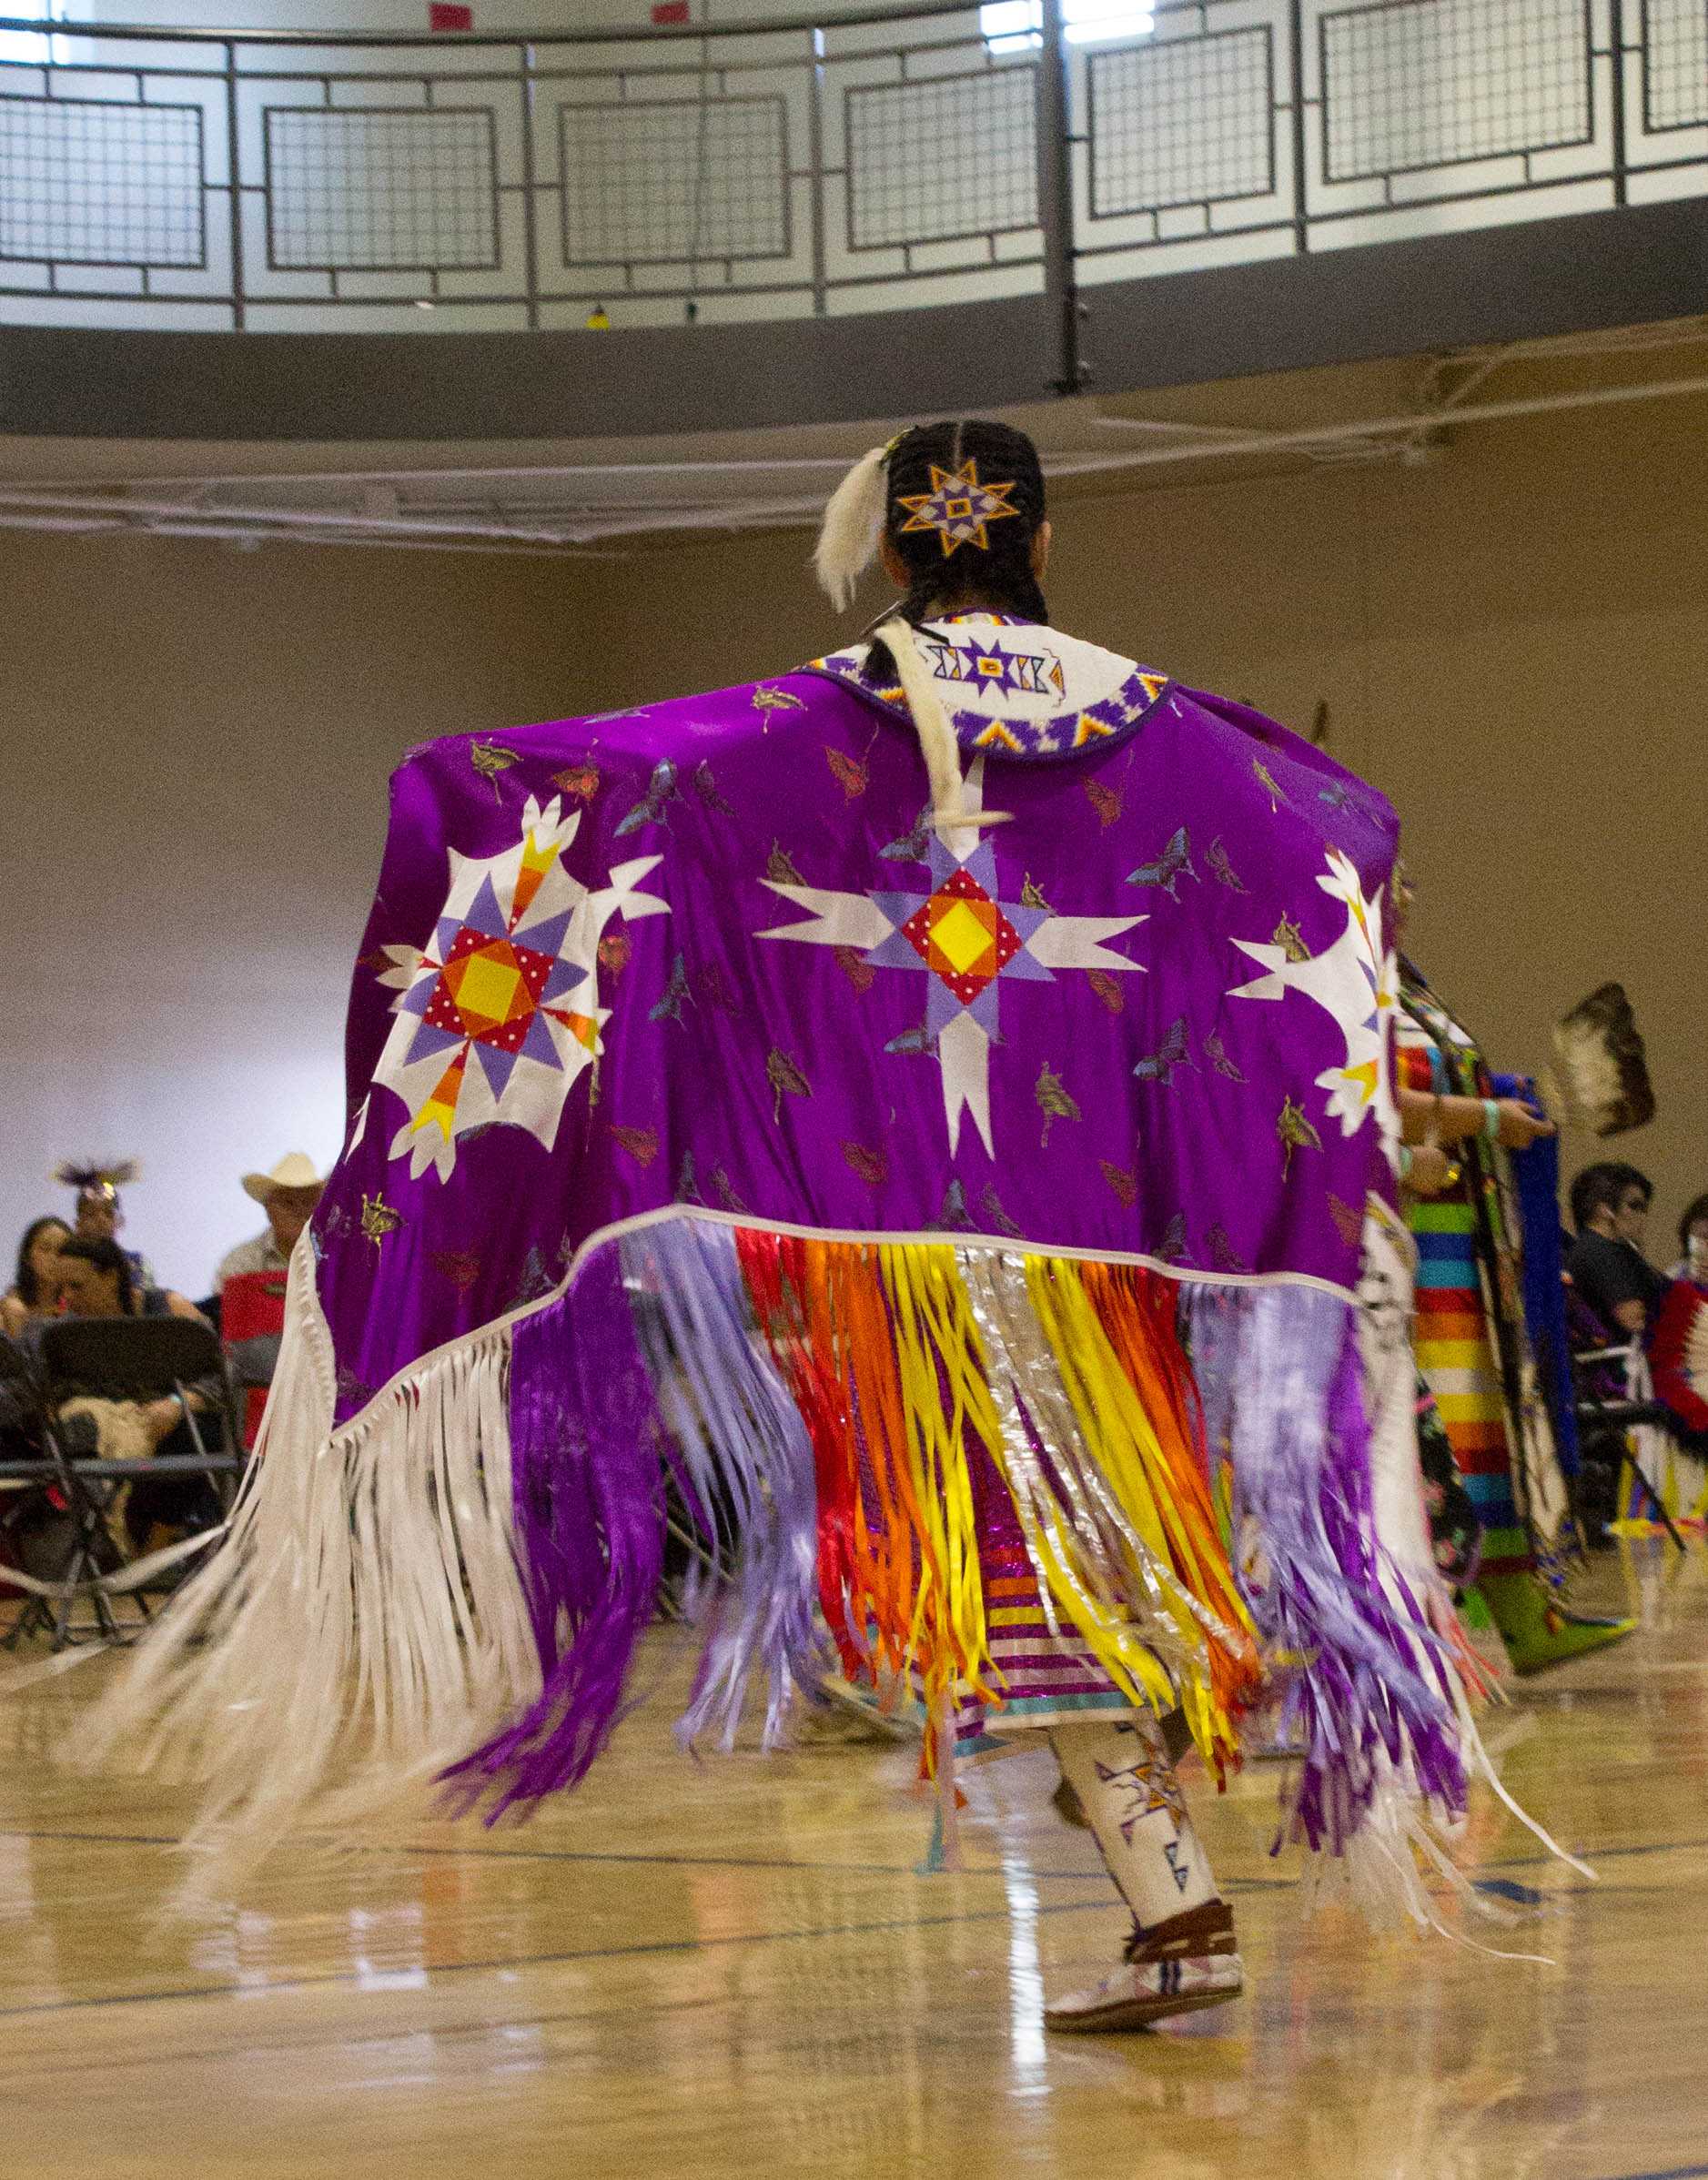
852,526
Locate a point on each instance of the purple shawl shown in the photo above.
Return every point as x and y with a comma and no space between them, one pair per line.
714,952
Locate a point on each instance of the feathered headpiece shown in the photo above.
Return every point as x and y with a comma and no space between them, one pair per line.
102,1178
1603,1072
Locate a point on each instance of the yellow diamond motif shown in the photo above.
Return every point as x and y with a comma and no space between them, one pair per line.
962,939
487,987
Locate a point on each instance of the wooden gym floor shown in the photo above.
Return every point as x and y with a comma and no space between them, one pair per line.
735,1969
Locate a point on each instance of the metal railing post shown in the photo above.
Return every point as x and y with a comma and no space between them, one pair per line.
1616,38
233,181
1055,203
1301,185
530,238
815,153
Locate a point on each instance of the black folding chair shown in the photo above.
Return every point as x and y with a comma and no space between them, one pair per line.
1609,1419
139,1359
32,1525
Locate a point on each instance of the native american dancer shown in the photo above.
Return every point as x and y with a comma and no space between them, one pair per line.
1474,1344
813,1100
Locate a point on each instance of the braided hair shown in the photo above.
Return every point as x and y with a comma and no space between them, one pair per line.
962,505
904,494
947,576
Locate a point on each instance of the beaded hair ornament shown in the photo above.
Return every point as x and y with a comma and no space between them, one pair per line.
958,507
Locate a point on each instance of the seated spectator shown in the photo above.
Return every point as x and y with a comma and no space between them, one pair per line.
1692,1241
97,1279
1679,1359
34,1291
288,1195
100,1209
96,1282
1606,1266
1678,1353
251,1280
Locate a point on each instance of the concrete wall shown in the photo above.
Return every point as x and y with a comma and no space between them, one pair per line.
192,801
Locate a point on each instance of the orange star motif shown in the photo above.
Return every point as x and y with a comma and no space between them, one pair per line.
958,508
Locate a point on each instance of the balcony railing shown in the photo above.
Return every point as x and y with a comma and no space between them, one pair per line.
800,168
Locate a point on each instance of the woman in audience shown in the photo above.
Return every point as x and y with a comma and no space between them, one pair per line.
34,1291
1678,1354
98,1282
98,1279
1693,1242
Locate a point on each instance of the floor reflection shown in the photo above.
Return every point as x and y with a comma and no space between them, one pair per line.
737,1968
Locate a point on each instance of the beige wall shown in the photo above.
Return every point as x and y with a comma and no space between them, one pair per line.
196,743
1511,641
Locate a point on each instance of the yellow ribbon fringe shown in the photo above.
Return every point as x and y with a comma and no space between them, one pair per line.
1122,1532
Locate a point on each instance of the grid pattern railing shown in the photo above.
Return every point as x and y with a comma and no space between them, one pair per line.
371,191
952,156
1674,65
1443,83
645,185
802,169
1183,123
83,182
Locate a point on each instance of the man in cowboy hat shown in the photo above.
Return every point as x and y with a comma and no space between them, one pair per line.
289,1196
251,1280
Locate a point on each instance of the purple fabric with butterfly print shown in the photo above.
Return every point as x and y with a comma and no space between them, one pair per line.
714,952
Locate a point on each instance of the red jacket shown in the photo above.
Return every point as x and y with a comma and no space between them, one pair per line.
1678,1353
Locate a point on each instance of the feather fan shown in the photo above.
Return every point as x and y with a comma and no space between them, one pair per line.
1602,1076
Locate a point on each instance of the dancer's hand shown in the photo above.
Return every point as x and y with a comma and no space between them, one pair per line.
1520,1127
1431,1170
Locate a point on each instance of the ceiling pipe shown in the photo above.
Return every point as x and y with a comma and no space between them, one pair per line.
133,507
66,508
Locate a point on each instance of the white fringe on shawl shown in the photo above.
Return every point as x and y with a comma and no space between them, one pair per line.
1384,1872
365,1609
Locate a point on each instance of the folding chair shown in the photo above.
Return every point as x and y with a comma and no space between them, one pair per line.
28,1471
140,1359
56,1542
1614,1401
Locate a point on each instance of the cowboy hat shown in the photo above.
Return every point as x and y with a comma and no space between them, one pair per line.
294,1170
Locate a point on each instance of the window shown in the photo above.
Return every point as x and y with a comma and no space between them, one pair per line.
30,48
1018,26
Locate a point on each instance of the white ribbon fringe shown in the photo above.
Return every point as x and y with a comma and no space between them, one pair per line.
366,1605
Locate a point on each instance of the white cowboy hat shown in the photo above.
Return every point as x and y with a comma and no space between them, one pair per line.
294,1170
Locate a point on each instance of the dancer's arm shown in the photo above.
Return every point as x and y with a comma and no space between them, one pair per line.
1423,1115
